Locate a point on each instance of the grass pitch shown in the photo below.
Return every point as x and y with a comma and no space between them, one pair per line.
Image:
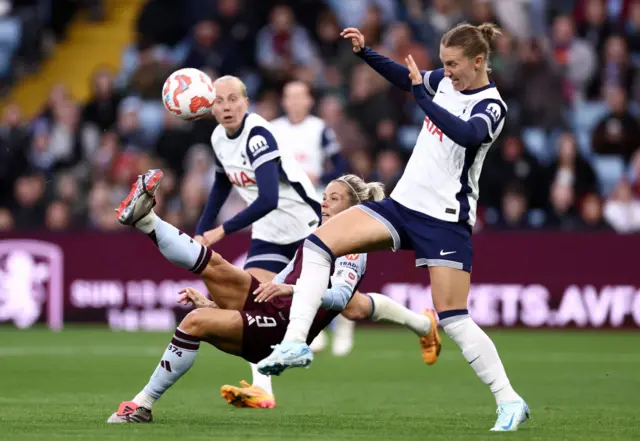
579,385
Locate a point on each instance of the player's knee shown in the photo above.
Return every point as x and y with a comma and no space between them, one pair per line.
356,313
357,310
194,324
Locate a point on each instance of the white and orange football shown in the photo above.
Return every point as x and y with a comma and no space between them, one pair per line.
188,94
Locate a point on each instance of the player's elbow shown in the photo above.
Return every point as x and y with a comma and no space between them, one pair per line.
269,202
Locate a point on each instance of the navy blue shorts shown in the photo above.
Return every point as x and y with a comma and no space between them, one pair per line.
434,241
270,256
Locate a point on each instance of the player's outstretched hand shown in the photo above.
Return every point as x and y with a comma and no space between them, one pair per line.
357,39
267,291
196,298
414,72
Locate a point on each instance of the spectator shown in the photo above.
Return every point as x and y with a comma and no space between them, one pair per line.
13,154
574,55
6,220
402,44
622,210
632,31
539,89
163,22
29,196
562,213
615,70
618,133
511,163
238,29
205,49
595,28
369,102
69,193
58,216
193,196
102,108
634,173
514,208
591,213
349,135
389,168
174,142
572,170
504,68
283,46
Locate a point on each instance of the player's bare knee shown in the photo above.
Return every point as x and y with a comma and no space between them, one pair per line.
194,324
356,312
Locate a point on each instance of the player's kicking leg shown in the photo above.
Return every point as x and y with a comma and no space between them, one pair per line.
221,328
380,308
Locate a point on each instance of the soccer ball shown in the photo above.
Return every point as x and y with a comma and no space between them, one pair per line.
188,94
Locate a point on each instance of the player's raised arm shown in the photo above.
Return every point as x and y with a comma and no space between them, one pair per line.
331,150
217,197
395,73
486,115
263,154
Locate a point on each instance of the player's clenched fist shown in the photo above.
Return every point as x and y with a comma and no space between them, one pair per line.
357,39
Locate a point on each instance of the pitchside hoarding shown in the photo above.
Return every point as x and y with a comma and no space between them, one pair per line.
519,279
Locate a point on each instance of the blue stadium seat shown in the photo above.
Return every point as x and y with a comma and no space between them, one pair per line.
609,169
537,143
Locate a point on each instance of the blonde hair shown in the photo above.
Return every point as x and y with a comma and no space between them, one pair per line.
241,85
361,191
474,40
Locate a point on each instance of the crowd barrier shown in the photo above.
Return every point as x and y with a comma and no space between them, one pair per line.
578,280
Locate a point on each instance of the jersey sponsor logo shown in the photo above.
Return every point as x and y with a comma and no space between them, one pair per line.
240,179
432,128
257,145
352,256
348,264
495,111
352,276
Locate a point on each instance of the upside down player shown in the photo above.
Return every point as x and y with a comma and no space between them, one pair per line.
431,211
246,318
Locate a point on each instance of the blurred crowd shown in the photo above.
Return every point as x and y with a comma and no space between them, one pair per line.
568,157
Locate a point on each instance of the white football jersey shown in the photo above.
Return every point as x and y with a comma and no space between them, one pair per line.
441,177
298,212
310,141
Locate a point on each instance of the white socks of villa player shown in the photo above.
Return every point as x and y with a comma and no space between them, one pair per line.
260,380
385,309
176,360
311,285
176,246
480,353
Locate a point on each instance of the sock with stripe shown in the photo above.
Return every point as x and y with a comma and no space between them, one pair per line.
176,246
311,285
176,360
479,351
385,309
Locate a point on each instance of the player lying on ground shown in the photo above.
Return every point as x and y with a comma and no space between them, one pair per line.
246,318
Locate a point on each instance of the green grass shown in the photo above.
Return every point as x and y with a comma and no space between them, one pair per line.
579,385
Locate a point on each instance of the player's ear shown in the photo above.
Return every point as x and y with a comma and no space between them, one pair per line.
478,62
